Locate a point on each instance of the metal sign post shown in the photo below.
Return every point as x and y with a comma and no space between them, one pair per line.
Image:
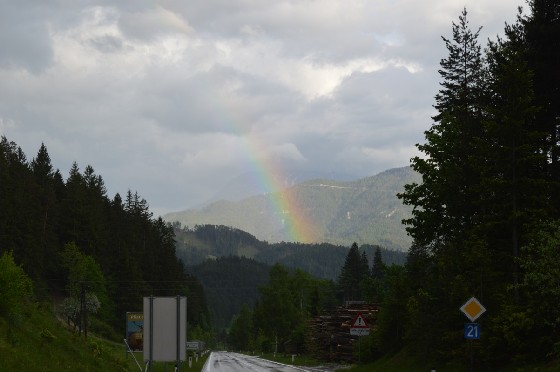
151,355
178,334
472,309
359,328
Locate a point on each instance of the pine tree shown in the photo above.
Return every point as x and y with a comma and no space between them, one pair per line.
354,271
447,204
541,30
47,211
514,175
378,267
446,201
74,208
96,203
277,312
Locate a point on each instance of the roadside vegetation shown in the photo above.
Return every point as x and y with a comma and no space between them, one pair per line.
32,338
485,221
37,336
297,360
39,341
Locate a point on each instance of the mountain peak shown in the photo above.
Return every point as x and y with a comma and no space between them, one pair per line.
365,211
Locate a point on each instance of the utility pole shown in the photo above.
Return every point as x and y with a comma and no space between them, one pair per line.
82,306
83,309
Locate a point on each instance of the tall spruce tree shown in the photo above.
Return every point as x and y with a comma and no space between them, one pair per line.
447,205
541,30
514,175
354,271
378,268
74,208
445,202
47,212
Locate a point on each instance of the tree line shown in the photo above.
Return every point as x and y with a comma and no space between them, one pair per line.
486,215
231,279
279,319
321,260
67,235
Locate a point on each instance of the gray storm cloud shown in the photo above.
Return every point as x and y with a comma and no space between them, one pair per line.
174,99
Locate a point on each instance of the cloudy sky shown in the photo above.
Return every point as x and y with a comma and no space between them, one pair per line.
176,98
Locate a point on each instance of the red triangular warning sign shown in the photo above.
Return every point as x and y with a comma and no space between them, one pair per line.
359,322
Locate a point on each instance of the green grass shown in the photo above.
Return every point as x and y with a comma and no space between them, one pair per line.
399,362
405,361
299,360
167,366
36,340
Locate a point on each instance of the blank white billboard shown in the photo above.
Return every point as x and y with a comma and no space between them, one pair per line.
169,316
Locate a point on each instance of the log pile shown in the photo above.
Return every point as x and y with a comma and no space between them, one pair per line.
330,332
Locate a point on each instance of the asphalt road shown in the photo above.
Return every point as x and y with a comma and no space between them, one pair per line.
222,361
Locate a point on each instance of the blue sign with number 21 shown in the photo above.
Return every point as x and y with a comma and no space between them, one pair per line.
472,331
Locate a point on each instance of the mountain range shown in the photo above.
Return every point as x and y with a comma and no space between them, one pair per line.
365,211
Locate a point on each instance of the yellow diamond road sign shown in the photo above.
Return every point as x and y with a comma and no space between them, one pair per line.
472,309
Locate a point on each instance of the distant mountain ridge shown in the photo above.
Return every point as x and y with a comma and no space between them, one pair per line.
365,211
251,184
322,260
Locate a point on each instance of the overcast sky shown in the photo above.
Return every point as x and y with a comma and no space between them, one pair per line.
175,98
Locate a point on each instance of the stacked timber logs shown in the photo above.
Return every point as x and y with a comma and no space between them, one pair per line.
330,332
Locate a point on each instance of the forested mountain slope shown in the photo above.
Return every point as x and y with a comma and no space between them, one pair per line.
229,283
232,264
320,260
365,211
68,233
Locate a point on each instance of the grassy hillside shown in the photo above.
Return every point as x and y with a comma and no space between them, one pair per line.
37,341
365,211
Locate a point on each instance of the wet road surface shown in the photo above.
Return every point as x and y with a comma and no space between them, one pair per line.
222,361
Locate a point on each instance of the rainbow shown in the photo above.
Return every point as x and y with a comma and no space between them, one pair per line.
268,175
295,219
